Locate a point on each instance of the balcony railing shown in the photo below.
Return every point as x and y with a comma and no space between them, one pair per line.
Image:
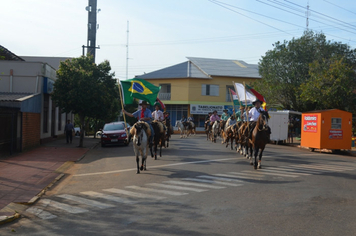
164,96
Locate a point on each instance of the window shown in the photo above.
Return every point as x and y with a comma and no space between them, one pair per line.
209,90
336,123
165,92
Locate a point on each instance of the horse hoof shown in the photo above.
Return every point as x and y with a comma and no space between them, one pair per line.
137,172
259,167
255,167
141,168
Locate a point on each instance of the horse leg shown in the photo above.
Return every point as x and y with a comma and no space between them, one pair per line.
137,162
255,157
232,144
260,158
155,149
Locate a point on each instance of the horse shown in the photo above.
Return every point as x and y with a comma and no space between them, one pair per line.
215,131
191,128
158,138
140,143
260,137
182,129
169,130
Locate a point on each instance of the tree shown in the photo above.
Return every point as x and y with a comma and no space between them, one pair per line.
331,85
285,70
86,89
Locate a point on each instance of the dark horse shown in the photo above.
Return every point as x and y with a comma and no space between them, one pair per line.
158,138
260,137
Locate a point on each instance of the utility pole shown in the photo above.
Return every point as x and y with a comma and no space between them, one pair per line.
127,52
92,26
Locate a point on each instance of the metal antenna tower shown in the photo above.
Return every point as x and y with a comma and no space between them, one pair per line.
307,15
127,52
92,27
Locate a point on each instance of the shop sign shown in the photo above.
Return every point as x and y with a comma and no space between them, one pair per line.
47,85
335,134
310,123
196,109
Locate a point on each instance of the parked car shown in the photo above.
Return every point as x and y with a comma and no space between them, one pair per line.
114,133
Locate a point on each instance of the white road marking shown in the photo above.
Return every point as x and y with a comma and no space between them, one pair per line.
173,193
62,206
177,187
246,175
336,167
280,171
316,167
86,201
212,181
108,197
133,194
305,170
287,170
160,166
220,178
194,184
44,215
276,174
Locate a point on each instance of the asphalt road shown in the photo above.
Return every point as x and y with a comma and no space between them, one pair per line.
198,188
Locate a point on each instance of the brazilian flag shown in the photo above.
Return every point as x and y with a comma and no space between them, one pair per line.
140,89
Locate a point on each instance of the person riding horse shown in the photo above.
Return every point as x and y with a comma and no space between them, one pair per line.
167,121
157,114
184,121
214,117
225,116
207,120
143,114
254,113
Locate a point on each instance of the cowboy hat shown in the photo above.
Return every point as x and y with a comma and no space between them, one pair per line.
143,103
224,110
257,100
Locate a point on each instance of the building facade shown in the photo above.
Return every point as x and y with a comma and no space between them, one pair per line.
27,114
200,85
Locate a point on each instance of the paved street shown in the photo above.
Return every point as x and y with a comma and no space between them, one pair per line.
198,188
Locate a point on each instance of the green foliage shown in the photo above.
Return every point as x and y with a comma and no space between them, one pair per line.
331,84
285,70
86,89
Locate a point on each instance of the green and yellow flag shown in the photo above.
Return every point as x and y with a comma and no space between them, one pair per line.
140,89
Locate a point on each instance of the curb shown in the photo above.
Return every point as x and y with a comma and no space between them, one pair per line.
8,219
61,169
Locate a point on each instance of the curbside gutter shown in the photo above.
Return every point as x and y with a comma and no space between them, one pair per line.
10,208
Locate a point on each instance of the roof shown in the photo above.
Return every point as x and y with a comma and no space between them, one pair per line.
182,70
328,110
14,97
52,61
8,55
205,68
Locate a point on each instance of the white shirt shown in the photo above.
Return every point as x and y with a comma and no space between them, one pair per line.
254,114
158,115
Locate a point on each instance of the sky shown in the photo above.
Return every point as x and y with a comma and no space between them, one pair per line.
163,33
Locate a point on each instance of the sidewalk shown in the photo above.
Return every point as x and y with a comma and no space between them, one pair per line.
24,176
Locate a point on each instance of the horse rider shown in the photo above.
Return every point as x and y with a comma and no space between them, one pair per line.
254,113
231,121
143,114
167,119
225,116
240,114
214,117
157,114
207,120
191,120
184,121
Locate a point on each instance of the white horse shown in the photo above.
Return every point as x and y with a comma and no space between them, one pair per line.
140,144
215,130
181,128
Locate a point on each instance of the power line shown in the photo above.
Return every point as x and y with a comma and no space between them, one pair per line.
340,7
217,3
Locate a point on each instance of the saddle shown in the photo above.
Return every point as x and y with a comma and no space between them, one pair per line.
160,125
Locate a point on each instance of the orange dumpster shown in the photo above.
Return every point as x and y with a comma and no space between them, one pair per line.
326,129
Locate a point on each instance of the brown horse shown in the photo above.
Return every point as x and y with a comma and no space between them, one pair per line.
159,137
260,137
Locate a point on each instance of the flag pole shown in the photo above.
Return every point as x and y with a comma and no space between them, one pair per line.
246,104
122,107
232,101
